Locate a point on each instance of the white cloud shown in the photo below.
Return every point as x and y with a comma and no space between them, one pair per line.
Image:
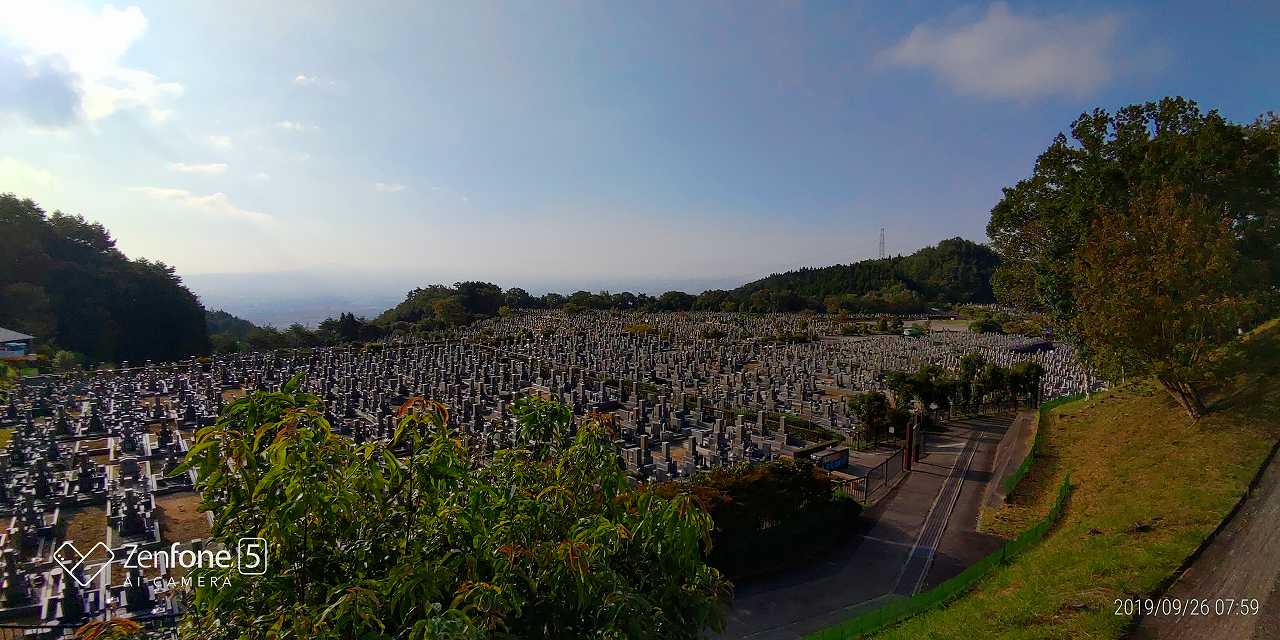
1013,56
19,175
218,204
82,50
221,142
388,187
262,176
211,167
304,80
292,125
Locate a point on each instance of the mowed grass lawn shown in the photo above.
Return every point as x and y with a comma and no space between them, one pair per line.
1149,485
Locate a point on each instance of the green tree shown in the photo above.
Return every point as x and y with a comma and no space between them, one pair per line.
450,311
299,336
1040,223
66,361
26,307
1159,286
675,301
518,298
415,539
552,301
986,325
872,410
1024,379
992,381
480,299
266,338
970,365
760,302
63,279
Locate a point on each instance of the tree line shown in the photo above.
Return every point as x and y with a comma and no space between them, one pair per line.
63,280
954,271
976,384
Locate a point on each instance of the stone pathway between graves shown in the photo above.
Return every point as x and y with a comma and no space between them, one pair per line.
919,535
1242,562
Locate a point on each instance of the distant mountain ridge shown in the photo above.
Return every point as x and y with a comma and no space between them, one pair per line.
953,271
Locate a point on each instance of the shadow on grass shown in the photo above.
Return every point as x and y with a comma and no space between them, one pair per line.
1247,369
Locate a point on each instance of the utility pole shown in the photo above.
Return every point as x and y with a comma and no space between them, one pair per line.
882,243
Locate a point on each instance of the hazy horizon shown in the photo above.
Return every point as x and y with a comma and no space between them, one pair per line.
281,298
309,297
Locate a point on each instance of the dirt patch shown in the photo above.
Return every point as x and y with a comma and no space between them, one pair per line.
86,527
100,443
180,518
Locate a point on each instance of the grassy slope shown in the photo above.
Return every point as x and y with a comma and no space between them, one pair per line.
1149,486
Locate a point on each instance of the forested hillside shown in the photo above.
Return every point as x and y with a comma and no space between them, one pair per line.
221,322
954,271
63,280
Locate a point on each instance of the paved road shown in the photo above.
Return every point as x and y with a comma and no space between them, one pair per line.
935,524
962,544
1243,562
874,562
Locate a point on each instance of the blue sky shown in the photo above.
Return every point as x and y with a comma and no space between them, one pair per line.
579,142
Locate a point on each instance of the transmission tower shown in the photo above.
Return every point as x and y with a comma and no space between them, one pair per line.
882,243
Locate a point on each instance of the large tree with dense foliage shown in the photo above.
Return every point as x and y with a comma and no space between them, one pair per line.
63,280
1041,222
872,410
1159,286
415,538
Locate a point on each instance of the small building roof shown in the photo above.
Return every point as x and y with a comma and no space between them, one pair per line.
7,335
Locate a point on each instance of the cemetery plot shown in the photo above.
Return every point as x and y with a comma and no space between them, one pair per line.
92,459
180,519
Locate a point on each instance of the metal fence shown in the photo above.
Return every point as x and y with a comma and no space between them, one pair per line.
876,480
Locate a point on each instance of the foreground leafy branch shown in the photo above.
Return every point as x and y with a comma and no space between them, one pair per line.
412,539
